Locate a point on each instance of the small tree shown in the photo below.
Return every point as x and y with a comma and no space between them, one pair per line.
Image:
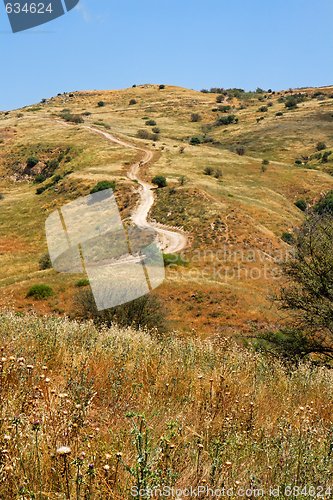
160,181
301,204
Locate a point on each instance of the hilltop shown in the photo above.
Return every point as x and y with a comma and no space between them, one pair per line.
239,167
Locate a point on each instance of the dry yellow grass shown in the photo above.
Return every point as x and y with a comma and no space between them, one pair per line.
134,411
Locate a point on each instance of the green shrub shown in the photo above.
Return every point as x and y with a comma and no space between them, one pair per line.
145,312
173,259
226,120
326,156
144,134
291,102
45,262
194,141
101,104
298,161
220,98
208,170
159,181
325,204
150,123
265,162
32,161
82,282
301,204
132,102
156,130
287,238
161,87
39,178
279,113
40,292
320,146
263,109
102,185
224,109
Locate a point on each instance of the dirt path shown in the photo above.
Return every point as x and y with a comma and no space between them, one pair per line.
169,241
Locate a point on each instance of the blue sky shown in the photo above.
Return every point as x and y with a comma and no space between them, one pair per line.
107,44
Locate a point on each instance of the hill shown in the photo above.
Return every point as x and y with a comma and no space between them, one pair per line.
235,169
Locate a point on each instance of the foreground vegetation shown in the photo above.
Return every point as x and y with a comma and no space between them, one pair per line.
89,413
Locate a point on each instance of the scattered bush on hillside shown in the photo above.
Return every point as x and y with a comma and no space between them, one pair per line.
183,180
240,150
40,292
82,282
144,134
159,181
279,113
145,312
2,196
224,109
156,130
132,102
220,98
161,87
101,104
150,123
32,161
195,117
102,185
325,204
208,170
264,165
45,262
194,141
298,161
320,146
326,156
226,120
301,204
173,259
69,117
263,109
287,238
218,173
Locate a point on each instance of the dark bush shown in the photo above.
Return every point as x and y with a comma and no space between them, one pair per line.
32,161
150,123
288,238
82,282
145,312
291,102
160,181
325,204
161,87
320,146
226,120
208,170
224,109
102,185
132,102
218,173
144,134
195,141
101,104
301,204
220,98
326,156
195,117
263,109
279,113
298,161
240,150
156,130
45,262
40,292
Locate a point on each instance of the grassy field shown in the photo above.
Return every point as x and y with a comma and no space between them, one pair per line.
235,218
90,414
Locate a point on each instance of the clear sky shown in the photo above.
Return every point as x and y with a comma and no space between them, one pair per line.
107,44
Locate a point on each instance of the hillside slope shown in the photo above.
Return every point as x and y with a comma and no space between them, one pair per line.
235,209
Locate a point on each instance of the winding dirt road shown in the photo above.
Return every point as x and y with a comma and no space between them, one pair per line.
169,241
